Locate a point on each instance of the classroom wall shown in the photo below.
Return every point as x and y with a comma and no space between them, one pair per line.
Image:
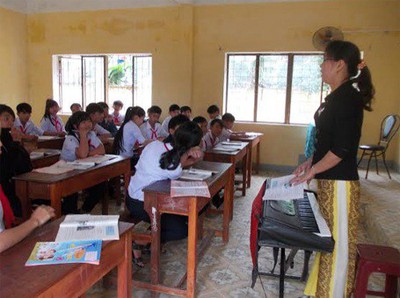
13,58
373,25
166,33
188,44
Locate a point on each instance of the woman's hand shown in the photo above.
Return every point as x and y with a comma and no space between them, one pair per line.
307,176
303,167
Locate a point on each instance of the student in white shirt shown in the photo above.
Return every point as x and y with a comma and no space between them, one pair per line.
213,113
96,114
160,161
129,137
174,110
23,123
81,142
51,123
117,116
152,129
229,120
187,111
211,138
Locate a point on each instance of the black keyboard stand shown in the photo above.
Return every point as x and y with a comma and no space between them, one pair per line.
284,265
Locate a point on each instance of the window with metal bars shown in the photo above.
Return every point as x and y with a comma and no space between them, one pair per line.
85,79
273,87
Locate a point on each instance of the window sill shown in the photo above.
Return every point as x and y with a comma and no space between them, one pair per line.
270,124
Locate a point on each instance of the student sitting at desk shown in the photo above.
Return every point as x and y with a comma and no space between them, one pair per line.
160,161
202,122
107,123
152,129
117,116
129,137
14,159
96,114
23,123
229,120
211,138
173,126
213,113
10,236
187,111
173,110
51,123
81,142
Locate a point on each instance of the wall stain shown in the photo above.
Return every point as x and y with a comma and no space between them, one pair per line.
116,26
80,28
36,32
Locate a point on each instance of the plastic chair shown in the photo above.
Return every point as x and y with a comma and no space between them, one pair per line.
390,125
374,258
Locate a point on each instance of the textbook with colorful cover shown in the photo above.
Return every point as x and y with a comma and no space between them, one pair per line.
51,253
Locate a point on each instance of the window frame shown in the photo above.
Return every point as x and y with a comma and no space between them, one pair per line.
57,75
289,81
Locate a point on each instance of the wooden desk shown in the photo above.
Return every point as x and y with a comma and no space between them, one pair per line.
49,158
255,139
231,157
50,142
69,280
35,185
108,146
157,200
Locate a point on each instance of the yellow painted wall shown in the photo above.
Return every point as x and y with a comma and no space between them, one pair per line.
373,25
13,58
188,44
166,33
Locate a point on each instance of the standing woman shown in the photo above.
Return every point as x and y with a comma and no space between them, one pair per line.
51,123
338,129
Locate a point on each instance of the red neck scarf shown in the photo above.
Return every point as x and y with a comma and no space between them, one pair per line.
8,214
57,124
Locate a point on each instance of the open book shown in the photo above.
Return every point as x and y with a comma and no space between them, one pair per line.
88,227
280,189
189,189
196,174
226,148
50,253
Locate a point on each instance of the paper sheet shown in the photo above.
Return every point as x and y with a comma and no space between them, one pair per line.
280,189
189,189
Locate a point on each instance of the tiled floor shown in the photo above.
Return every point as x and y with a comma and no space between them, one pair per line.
225,270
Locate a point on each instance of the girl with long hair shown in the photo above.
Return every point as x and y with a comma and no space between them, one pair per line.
51,123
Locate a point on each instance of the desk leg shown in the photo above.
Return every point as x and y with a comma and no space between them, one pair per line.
249,164
55,199
21,189
258,158
191,251
228,204
244,173
155,217
125,268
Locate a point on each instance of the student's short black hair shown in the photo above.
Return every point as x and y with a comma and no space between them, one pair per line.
154,110
199,119
24,108
174,107
177,120
118,103
75,104
103,105
93,108
185,109
217,121
212,109
228,117
6,109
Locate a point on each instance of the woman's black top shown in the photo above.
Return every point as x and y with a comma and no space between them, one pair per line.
338,124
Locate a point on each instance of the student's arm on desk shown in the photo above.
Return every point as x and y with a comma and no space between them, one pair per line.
191,156
12,236
99,150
